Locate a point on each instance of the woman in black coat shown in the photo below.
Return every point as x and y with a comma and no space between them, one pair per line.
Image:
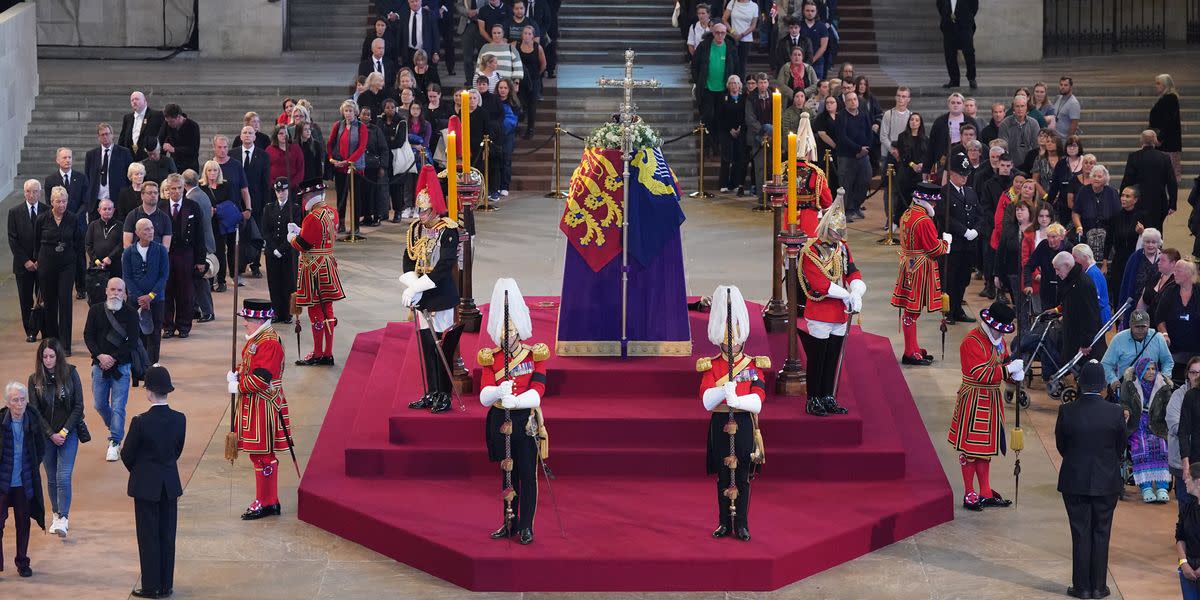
59,244
57,393
1080,313
1164,118
731,136
912,145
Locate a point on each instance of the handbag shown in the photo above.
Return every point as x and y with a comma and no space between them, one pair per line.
37,314
82,432
403,159
96,283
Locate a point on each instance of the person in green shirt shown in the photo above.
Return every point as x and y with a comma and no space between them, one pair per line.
715,60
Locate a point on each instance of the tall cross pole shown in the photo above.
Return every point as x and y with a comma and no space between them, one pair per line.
628,112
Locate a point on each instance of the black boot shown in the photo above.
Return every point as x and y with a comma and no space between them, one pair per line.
815,407
829,403
506,530
525,537
441,403
721,531
426,401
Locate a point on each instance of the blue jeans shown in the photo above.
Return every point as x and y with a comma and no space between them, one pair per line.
60,462
1191,589
109,396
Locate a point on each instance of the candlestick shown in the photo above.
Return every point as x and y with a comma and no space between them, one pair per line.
791,184
776,134
452,175
465,95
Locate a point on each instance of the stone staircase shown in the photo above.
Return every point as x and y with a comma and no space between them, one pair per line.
335,28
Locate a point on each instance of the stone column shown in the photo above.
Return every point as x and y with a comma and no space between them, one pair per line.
18,71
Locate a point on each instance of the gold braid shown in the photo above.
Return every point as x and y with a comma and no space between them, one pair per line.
832,266
420,248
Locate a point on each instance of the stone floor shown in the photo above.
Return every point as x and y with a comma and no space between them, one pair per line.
1021,552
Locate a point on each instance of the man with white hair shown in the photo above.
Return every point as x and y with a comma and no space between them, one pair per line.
144,266
110,333
22,444
22,242
733,388
1079,307
139,126
1150,169
1087,261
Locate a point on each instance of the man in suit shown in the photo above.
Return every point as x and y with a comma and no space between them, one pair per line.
965,220
187,253
1151,171
281,257
379,63
151,449
419,32
138,126
1090,435
106,167
782,52
76,185
203,291
958,33
22,242
257,166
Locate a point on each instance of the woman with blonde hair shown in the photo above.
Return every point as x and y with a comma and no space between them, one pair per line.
225,221
131,195
1165,119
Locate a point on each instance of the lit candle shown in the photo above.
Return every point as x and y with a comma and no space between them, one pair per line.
452,175
465,95
776,134
791,185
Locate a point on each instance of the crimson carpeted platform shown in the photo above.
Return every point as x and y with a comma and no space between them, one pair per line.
627,443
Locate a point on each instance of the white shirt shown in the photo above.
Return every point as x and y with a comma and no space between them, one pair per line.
66,177
894,123
31,207
414,22
102,192
954,123
176,207
138,119
696,33
143,250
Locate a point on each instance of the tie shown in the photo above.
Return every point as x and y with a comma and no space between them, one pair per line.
175,210
379,66
412,31
104,169
246,162
67,180
32,213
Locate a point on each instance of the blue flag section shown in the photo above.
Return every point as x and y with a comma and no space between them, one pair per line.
654,212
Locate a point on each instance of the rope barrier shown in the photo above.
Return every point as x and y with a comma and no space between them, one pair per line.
549,138
568,132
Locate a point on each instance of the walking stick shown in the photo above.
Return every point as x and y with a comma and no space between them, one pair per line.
231,437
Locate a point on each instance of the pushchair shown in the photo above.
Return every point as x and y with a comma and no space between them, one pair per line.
1068,388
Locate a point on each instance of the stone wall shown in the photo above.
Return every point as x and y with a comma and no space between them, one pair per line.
18,71
1008,31
114,23
241,28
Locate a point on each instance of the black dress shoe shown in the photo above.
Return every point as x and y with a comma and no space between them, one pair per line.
80,295
525,537
441,403
973,85
1074,593
221,288
167,333
424,401
260,512
814,407
143,593
309,362
962,317
743,534
503,532
326,361
996,501
721,531
972,504
927,355
912,360
948,85
1103,592
25,571
31,338
829,403
167,593
207,318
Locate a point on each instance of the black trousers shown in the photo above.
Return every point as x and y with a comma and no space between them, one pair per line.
958,275
437,379
1091,525
524,473
56,277
227,259
21,519
718,449
959,37
27,285
733,161
821,362
180,293
153,340
155,522
342,182
281,281
447,31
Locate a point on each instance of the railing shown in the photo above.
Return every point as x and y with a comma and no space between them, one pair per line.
1092,26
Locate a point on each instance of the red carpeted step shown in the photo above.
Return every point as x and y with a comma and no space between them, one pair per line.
864,463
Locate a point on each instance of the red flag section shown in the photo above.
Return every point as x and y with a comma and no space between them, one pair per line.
592,219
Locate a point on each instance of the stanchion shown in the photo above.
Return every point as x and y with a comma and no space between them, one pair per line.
468,195
352,234
487,170
791,379
775,313
700,193
828,157
558,191
763,205
888,240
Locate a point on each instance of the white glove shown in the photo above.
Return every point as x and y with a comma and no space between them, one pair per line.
293,228
509,401
949,239
407,298
1016,370
837,291
971,234
277,254
749,403
854,303
231,377
712,397
730,391
506,388
291,237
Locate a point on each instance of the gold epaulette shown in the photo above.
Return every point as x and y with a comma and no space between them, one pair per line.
703,364
762,362
540,352
448,223
486,357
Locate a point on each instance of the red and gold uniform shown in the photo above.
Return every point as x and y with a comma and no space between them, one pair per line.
512,384
812,195
317,283
262,411
918,284
977,427
822,264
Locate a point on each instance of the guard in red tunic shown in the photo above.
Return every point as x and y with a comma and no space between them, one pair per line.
263,422
734,397
317,282
919,285
977,428
812,188
513,381
833,290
